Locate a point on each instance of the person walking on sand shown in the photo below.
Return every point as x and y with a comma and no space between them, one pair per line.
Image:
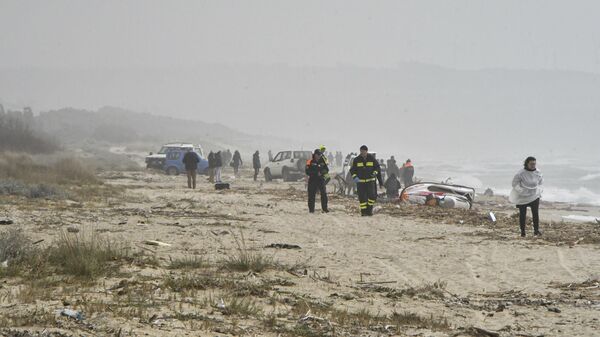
365,172
190,161
526,192
236,162
211,167
256,164
218,166
316,170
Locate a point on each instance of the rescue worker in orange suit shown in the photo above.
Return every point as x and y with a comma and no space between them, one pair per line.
316,171
365,172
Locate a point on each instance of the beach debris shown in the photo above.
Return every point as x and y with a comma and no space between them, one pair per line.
4,264
38,241
310,317
74,314
484,332
221,305
554,309
492,216
157,243
217,233
72,229
283,246
6,222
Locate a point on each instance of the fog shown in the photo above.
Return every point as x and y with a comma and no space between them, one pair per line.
454,79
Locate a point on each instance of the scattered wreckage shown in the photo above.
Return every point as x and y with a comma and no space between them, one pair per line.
439,194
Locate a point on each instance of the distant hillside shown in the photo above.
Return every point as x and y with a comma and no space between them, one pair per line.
409,109
118,126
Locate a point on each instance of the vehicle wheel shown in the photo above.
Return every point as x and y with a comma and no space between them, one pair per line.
285,174
172,171
268,176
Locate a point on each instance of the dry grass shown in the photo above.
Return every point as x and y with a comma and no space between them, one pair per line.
81,255
244,260
188,262
55,170
85,255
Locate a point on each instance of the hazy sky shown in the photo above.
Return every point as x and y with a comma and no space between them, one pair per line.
317,70
551,34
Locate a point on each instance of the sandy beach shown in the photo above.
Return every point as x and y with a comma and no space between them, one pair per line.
407,271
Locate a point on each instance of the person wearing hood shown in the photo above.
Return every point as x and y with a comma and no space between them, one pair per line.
526,192
316,171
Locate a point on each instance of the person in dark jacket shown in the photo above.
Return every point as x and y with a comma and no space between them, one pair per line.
316,170
190,161
392,167
408,173
256,164
211,167
392,187
218,166
236,162
365,172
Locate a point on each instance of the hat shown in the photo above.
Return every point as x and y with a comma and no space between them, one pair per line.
364,147
317,151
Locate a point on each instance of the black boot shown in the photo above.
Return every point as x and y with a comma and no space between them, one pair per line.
536,231
522,231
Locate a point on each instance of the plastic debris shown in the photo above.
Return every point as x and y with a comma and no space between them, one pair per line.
157,243
6,222
492,217
74,314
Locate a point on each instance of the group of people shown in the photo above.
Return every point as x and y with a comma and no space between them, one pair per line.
367,173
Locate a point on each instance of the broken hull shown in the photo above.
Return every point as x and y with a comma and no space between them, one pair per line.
442,195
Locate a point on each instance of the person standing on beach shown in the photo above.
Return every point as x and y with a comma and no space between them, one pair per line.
365,172
256,163
190,161
211,167
236,162
526,192
408,173
316,170
218,166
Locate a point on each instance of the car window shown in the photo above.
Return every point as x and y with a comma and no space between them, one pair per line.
173,155
163,150
278,156
298,155
287,155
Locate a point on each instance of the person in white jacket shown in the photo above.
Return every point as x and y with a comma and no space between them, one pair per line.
526,192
